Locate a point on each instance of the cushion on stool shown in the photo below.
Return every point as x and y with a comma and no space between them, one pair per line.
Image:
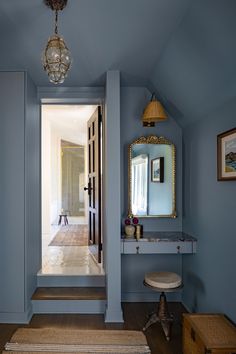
163,280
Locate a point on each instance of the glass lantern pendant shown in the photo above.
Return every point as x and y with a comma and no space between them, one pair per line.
56,56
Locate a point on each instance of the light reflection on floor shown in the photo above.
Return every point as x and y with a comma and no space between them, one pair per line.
67,260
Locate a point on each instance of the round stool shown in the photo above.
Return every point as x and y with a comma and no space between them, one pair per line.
65,219
162,282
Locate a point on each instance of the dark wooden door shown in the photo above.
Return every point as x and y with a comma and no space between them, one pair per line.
94,183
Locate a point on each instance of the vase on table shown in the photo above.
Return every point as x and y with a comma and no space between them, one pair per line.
129,230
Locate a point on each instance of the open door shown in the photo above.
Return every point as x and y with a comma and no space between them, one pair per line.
94,183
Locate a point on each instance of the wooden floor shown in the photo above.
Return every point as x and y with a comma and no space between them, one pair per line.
134,319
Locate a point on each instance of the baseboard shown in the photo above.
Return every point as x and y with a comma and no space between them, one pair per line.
16,317
149,297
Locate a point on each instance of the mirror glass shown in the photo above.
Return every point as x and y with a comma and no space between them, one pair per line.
152,177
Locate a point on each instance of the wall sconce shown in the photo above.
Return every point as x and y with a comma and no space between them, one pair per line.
154,112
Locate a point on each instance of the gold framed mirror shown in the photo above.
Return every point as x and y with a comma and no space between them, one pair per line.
151,177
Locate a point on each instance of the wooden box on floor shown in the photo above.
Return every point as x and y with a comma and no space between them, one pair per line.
208,333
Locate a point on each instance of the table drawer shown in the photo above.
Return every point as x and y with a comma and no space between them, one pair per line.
148,247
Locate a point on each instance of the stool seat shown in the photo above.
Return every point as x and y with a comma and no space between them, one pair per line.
163,280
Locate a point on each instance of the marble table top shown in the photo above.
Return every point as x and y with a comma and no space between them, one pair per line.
161,236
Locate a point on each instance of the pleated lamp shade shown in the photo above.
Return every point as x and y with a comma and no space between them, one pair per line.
154,112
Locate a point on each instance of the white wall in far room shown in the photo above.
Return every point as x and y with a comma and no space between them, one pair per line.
51,175
55,175
46,185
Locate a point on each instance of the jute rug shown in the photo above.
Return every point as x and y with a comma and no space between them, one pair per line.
71,235
53,340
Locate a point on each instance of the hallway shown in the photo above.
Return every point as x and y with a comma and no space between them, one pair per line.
67,260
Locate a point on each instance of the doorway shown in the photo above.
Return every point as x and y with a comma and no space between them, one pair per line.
73,159
66,197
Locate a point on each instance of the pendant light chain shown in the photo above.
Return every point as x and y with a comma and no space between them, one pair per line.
56,22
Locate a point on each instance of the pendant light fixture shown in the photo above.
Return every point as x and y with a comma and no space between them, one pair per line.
154,112
56,56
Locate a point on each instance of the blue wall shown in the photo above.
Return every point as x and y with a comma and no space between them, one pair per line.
32,189
19,191
209,214
12,193
111,198
133,267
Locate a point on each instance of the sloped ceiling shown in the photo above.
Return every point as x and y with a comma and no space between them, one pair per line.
196,72
184,50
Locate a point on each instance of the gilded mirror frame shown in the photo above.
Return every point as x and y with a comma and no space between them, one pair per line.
153,139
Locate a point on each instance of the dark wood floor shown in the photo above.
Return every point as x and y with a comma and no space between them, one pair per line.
134,319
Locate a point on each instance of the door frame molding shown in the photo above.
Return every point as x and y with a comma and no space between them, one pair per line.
71,95
109,99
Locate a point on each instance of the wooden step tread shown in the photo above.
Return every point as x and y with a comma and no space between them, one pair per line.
71,293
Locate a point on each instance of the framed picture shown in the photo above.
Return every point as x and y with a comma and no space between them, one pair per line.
157,170
226,155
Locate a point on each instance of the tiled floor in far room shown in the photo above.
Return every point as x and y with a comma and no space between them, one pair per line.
67,260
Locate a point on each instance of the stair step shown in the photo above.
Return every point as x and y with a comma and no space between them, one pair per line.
45,280
75,293
76,300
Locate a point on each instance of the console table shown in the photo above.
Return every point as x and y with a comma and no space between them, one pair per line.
160,242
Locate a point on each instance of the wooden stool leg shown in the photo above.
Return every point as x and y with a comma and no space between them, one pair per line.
161,316
163,311
152,319
59,222
165,318
166,326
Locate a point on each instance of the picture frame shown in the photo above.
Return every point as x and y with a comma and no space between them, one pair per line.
226,155
157,169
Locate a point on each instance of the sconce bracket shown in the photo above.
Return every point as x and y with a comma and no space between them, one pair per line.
56,5
148,124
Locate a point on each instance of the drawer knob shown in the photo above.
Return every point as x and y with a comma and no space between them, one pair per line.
137,250
178,249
